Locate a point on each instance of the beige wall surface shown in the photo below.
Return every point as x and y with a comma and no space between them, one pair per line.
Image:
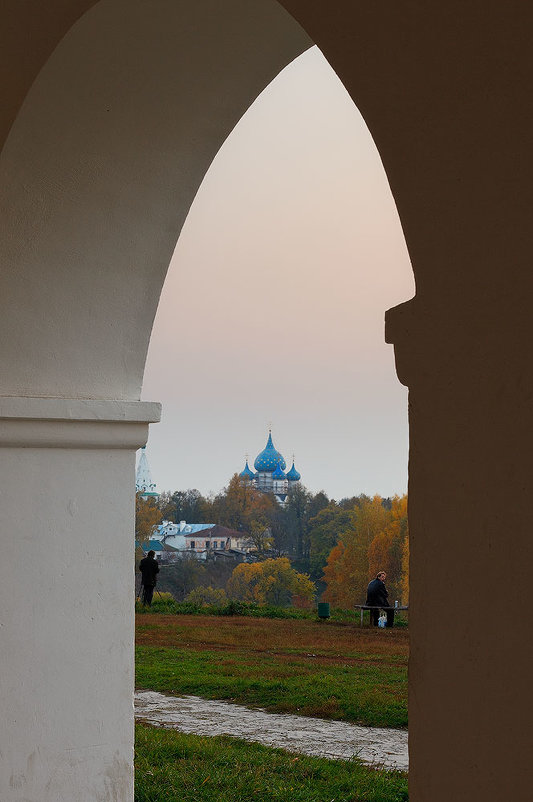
97,176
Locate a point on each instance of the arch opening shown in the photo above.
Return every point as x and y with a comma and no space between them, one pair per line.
273,232
274,301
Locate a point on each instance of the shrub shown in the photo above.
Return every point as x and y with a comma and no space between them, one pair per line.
273,581
202,596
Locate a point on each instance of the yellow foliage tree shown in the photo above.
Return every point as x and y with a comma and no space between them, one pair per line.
347,571
273,581
147,516
241,506
374,543
243,582
386,549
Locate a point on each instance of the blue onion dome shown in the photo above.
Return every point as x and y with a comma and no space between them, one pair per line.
278,473
293,475
267,461
247,473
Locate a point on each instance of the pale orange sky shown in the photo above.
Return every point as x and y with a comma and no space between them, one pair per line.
274,303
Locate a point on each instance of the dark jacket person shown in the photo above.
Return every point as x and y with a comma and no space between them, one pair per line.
377,596
149,569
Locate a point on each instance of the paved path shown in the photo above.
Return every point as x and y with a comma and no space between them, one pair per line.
309,736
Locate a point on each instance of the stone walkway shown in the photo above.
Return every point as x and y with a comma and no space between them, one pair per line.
309,736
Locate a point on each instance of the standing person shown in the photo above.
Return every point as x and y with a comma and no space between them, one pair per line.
149,569
377,596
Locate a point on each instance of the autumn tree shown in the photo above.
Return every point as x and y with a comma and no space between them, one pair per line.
324,532
240,505
339,589
260,536
273,581
385,552
347,570
280,583
147,517
243,582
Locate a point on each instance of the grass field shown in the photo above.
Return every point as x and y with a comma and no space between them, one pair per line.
171,767
324,669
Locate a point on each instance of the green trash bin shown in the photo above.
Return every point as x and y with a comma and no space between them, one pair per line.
323,609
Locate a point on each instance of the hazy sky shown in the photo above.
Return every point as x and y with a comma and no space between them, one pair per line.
273,308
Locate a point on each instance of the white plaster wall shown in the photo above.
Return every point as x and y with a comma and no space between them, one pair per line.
98,174
66,596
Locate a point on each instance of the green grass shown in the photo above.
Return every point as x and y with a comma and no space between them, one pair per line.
366,692
166,604
171,767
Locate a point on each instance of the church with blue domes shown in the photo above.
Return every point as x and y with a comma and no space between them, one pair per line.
271,475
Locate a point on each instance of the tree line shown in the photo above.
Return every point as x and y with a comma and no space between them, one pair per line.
340,545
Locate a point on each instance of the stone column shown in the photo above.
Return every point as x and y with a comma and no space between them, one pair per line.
471,548
67,597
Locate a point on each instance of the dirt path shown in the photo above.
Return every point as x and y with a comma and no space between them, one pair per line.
309,736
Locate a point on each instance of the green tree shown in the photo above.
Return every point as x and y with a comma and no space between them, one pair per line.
291,529
184,505
325,530
182,576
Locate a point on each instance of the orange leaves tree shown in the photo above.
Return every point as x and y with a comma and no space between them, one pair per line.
240,506
374,539
147,516
270,582
386,550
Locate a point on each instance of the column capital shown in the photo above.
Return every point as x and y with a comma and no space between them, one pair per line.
75,422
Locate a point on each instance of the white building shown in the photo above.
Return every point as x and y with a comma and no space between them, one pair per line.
143,478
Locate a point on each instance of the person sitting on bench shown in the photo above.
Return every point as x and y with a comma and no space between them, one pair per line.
377,596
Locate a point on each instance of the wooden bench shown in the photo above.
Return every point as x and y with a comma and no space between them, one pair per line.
364,607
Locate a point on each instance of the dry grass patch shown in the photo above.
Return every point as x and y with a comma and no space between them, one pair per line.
300,666
282,636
